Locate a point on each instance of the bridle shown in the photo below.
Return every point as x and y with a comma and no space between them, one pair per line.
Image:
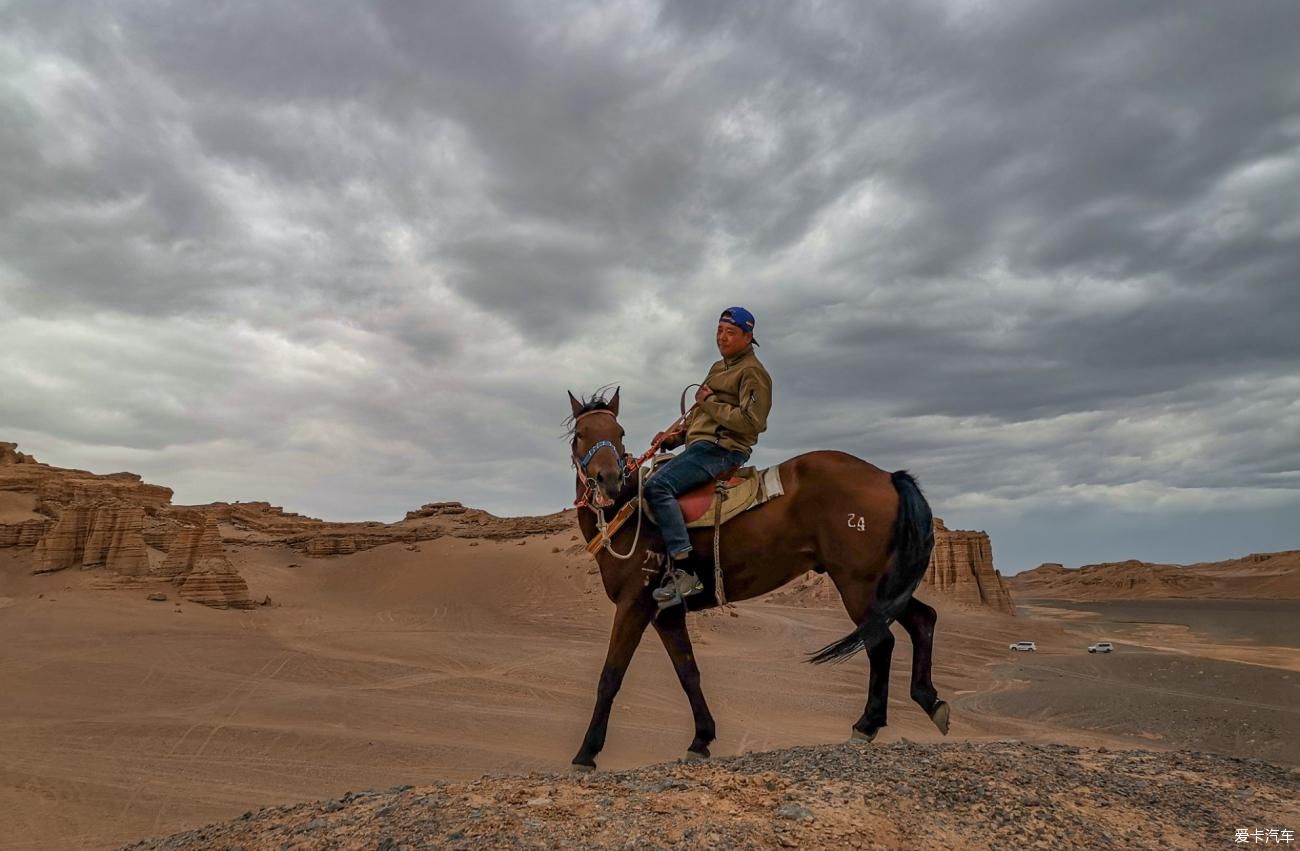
589,486
580,464
625,470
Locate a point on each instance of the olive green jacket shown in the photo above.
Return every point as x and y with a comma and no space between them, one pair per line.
736,414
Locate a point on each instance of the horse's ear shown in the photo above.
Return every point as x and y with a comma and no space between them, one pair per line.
575,404
613,402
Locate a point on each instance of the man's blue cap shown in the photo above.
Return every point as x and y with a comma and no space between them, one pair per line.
740,317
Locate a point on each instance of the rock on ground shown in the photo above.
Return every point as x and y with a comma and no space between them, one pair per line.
901,795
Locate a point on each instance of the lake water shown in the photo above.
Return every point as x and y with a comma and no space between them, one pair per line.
1269,622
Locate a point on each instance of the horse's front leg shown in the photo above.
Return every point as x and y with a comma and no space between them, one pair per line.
630,620
671,626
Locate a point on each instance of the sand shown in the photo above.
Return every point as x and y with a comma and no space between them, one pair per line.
17,507
125,718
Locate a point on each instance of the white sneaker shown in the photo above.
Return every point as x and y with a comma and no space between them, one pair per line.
682,585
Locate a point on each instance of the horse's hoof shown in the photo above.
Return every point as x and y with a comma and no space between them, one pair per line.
940,717
696,756
859,736
579,768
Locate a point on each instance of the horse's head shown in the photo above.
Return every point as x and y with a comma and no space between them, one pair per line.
598,447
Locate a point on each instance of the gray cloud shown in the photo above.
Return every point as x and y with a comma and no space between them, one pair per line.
349,256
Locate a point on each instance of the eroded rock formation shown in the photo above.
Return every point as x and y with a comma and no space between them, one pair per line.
1259,575
72,518
95,535
10,455
265,522
64,545
198,566
26,533
961,566
436,509
260,523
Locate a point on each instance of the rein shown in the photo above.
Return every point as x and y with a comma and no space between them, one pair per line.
607,529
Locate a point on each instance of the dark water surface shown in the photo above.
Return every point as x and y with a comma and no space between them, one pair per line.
1268,622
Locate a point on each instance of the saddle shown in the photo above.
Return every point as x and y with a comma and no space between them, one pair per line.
738,491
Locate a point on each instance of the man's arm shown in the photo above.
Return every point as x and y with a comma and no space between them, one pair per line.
750,416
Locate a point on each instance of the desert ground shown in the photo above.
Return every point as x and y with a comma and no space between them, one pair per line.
125,718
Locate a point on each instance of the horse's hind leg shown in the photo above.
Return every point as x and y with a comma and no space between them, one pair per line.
671,626
859,596
919,620
873,717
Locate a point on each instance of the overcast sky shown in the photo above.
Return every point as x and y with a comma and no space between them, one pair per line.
348,257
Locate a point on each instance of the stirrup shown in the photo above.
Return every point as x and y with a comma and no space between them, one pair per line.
677,585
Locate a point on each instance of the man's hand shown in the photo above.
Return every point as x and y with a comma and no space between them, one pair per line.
703,393
668,436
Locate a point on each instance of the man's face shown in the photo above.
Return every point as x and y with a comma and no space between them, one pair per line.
731,340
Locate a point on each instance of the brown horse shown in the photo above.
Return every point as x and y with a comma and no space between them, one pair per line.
869,530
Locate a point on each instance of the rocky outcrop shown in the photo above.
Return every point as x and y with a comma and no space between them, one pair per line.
116,540
68,487
24,534
65,544
266,522
1003,794
335,545
1125,579
74,509
961,566
9,455
72,518
436,509
197,565
263,524
107,534
1259,575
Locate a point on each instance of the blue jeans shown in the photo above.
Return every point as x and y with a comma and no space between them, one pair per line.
699,464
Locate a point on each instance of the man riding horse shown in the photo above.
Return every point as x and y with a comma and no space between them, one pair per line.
870,531
731,411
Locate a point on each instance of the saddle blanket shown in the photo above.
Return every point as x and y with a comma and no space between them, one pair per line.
747,488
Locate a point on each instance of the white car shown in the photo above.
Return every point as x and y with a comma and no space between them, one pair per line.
1024,645
1101,647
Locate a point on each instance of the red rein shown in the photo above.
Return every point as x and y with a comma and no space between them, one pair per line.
583,501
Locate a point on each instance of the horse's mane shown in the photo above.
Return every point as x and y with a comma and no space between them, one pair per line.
598,401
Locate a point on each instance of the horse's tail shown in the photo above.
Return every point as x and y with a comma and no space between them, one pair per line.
913,541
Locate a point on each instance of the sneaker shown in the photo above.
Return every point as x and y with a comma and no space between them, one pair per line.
683,585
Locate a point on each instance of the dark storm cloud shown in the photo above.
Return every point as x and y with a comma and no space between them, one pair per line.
1033,250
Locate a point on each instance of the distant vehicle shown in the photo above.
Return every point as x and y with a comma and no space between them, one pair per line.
1025,645
1101,647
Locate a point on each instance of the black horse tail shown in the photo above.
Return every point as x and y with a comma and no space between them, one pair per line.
913,541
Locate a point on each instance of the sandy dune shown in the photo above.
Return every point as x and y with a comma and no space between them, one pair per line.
125,718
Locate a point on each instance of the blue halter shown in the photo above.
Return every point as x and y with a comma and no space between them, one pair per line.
601,444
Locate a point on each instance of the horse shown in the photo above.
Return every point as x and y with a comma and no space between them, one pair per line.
869,530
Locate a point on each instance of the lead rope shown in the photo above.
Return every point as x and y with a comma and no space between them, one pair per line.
719,593
640,510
